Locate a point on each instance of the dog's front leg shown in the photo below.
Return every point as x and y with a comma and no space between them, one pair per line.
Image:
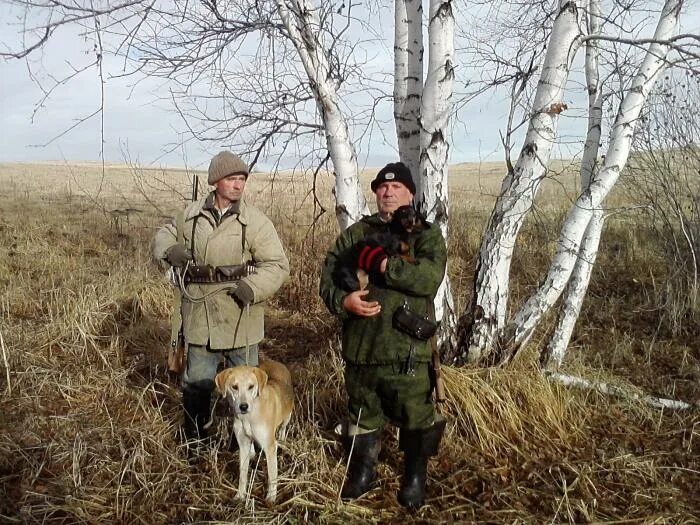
271,457
245,445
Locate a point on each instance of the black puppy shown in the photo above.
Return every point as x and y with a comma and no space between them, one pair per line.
406,223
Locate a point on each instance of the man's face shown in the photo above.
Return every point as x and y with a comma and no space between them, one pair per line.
231,188
391,195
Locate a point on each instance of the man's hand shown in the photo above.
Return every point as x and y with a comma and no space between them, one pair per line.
354,304
177,255
243,294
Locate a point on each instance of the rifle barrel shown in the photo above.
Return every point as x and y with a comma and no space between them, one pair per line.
195,187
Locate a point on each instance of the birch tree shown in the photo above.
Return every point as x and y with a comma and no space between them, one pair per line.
489,300
436,108
256,101
581,274
302,22
491,335
422,111
580,215
408,80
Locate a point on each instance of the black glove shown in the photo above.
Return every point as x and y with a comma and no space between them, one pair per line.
243,294
177,255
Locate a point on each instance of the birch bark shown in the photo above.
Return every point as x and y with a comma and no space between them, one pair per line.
300,19
614,390
436,106
489,300
580,214
408,79
580,277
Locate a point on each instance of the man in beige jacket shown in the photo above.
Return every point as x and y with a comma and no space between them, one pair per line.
222,319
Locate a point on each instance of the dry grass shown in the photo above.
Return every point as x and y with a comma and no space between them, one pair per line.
89,422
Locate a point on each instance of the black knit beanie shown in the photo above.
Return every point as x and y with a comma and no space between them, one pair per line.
394,172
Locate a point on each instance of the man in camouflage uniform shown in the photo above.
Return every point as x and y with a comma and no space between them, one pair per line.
388,375
221,321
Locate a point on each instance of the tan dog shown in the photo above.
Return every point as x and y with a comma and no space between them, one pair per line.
262,400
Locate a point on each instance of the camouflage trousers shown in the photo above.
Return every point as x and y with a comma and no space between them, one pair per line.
380,394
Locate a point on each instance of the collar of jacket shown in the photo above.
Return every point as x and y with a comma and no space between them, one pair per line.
207,204
373,220
376,221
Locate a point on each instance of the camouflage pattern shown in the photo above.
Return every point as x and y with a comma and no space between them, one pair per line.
380,384
374,340
385,394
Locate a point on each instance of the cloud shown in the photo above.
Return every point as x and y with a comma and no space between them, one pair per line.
141,124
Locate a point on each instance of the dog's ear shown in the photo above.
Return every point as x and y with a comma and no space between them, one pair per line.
221,379
261,375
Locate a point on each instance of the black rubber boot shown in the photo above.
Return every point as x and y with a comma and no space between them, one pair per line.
363,462
196,403
418,446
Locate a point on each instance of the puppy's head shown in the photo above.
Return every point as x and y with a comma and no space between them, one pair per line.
406,219
241,386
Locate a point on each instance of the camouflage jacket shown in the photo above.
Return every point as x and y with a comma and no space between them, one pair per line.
374,340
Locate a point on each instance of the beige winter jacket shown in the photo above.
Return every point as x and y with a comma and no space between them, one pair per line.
209,314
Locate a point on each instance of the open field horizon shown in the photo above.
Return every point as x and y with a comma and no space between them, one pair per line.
465,180
89,420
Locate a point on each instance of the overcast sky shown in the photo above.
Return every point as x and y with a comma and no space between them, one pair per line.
137,124
140,126
144,128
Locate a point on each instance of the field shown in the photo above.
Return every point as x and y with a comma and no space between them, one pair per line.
89,420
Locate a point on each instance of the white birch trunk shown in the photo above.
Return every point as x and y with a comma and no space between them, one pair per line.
408,79
436,106
575,293
580,214
613,390
300,18
580,277
519,188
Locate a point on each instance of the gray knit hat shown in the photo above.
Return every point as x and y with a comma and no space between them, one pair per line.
225,164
